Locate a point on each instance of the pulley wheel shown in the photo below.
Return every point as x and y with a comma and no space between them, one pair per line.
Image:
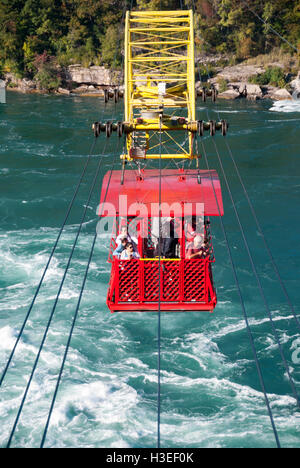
224,127
200,127
108,129
97,129
120,129
212,127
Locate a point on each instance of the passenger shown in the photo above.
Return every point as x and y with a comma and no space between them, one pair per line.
169,241
190,231
193,228
117,252
199,249
129,252
124,234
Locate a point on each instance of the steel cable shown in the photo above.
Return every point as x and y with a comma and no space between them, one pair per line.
159,292
263,238
259,227
267,24
272,260
83,283
55,244
252,343
75,317
251,339
56,301
254,269
48,264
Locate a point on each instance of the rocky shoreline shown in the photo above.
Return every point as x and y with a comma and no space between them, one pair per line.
93,81
76,80
238,77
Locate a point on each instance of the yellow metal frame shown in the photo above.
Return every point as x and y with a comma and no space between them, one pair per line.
159,75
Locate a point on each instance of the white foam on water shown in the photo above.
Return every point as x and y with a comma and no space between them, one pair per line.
7,338
247,424
106,402
286,106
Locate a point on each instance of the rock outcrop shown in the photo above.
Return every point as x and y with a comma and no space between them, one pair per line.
238,85
295,85
229,94
239,73
281,95
96,76
251,91
93,80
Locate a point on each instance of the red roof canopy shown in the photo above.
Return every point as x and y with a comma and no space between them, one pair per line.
140,196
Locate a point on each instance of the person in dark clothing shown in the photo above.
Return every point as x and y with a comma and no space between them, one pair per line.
169,242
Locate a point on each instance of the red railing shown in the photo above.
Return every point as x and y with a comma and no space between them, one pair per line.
181,281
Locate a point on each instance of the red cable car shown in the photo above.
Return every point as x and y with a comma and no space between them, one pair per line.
169,265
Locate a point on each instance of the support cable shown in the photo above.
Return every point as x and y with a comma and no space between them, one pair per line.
48,263
56,300
252,343
71,255
75,316
61,230
251,339
254,269
264,238
272,260
159,292
44,274
246,4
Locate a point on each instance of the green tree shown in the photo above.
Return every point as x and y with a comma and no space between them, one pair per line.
90,31
47,74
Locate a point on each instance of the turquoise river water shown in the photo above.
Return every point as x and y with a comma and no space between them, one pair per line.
210,391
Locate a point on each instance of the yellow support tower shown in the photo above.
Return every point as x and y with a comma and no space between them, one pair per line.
159,82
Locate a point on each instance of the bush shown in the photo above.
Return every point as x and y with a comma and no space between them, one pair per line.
273,76
206,71
47,73
48,80
223,85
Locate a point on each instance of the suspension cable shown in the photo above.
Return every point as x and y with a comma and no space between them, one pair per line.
85,277
263,237
251,339
56,300
159,290
272,260
252,343
256,273
57,240
246,4
75,315
281,282
254,269
48,262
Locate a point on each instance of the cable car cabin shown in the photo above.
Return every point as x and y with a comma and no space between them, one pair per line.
169,264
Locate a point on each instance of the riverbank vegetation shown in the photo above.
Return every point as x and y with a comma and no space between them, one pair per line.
39,37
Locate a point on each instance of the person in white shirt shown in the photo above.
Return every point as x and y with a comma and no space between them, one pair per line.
129,253
124,234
